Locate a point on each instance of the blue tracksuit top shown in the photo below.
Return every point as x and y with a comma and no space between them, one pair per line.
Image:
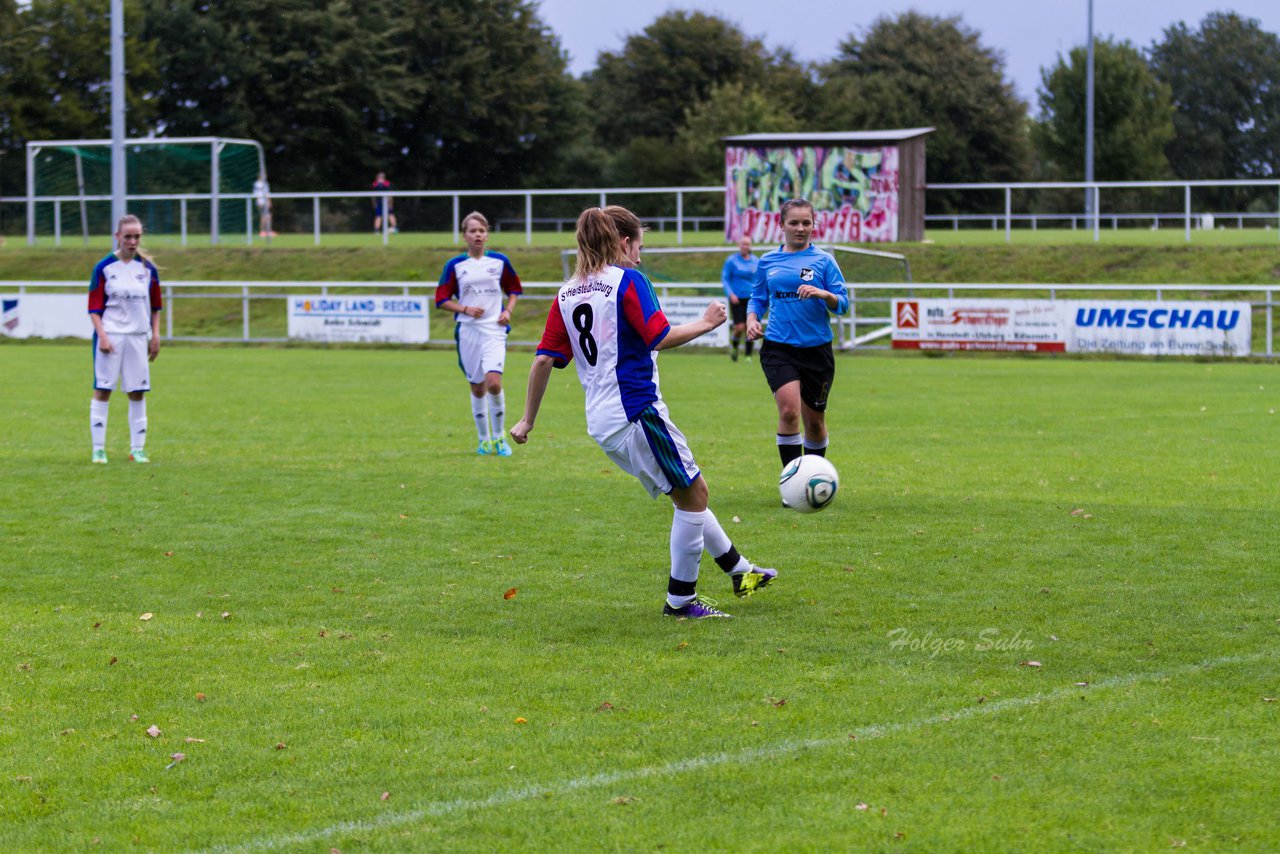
739,275
795,321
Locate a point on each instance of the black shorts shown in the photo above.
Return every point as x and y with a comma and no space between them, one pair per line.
738,311
814,367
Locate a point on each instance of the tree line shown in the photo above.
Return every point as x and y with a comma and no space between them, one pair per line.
477,94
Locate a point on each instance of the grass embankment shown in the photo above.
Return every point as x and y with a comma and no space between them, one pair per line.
420,262
1103,264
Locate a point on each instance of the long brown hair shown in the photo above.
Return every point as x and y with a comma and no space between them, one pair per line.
598,243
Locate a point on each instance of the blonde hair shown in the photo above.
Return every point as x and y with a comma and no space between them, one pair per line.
598,243
479,217
132,219
627,223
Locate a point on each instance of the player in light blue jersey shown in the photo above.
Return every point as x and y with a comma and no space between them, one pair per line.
799,286
738,277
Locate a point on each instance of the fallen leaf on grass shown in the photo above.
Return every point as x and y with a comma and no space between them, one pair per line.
1029,664
146,616
226,615
176,757
280,745
168,554
153,731
1081,513
861,806
96,625
68,731
682,645
1268,699
776,702
112,661
521,720
605,707
385,796
200,697
190,740
25,666
736,519
624,800
1082,684
511,593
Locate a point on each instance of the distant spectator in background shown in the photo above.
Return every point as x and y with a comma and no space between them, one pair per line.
380,183
262,197
738,277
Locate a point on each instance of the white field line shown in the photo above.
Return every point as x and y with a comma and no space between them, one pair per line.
524,793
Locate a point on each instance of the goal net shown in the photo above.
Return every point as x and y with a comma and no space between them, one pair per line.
70,178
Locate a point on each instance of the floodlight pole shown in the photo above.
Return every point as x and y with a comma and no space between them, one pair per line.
118,176
1088,119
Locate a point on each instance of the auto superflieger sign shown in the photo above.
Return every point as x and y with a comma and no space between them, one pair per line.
1149,328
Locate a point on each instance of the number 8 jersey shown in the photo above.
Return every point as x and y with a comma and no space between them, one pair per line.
609,324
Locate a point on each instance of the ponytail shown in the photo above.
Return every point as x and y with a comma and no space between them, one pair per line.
598,243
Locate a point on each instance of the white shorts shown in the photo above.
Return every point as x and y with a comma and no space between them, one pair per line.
126,365
655,451
480,353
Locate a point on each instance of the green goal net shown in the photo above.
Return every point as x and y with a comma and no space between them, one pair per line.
171,185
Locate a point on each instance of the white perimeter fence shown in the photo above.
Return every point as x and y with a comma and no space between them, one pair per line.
868,320
1002,199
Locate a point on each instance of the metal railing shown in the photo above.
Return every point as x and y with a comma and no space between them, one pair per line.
846,330
1094,218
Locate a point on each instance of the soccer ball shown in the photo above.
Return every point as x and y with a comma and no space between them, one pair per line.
808,483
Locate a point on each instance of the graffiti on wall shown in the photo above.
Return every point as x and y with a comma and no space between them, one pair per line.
854,192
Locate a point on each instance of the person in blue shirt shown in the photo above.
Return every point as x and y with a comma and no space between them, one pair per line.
799,287
738,277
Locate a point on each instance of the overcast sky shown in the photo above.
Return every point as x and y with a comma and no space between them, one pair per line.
1031,34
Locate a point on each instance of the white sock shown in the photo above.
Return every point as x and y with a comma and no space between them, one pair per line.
497,413
717,542
98,410
137,424
810,445
480,412
686,551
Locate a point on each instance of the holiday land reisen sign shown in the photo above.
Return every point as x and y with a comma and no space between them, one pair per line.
1144,328
359,318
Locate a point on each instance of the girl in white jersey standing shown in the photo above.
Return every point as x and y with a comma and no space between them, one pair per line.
606,319
481,289
124,306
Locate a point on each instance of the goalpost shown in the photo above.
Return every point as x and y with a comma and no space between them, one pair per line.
697,270
175,185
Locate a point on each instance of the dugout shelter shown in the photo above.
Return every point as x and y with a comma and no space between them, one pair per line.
865,186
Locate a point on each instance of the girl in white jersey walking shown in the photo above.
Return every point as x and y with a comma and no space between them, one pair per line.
606,319
124,306
481,289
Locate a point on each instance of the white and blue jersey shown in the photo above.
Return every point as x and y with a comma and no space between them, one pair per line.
485,282
125,293
739,275
795,321
609,325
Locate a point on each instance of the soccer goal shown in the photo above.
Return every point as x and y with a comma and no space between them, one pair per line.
696,271
180,185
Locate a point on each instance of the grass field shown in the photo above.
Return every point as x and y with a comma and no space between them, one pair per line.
1040,614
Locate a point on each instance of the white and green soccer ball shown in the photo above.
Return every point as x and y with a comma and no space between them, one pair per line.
808,483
